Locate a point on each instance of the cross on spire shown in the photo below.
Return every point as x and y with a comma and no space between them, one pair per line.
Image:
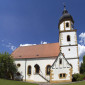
64,11
64,6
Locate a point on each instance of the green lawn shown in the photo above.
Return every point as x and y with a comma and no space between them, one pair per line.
10,82
78,83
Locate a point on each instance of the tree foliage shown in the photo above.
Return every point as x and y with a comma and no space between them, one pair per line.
7,66
82,68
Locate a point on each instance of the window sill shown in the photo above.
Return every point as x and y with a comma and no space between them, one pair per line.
29,74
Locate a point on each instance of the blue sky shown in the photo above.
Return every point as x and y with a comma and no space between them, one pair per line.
33,21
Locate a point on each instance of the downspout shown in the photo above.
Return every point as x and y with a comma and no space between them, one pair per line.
25,69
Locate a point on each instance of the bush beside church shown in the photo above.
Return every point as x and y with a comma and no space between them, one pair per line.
81,76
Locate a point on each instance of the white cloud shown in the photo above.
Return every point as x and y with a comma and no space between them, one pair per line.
81,46
43,42
80,63
82,38
27,44
7,44
82,35
81,50
11,46
2,40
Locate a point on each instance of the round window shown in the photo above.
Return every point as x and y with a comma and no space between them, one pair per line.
18,65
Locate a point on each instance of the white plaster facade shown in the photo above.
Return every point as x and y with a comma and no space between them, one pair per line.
69,48
64,68
63,38
63,27
42,62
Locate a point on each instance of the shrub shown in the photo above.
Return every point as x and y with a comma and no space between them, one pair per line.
78,77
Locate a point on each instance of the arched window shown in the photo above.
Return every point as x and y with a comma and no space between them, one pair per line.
67,24
48,69
37,69
29,70
68,37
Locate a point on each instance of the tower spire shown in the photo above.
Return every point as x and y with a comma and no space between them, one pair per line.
64,11
64,6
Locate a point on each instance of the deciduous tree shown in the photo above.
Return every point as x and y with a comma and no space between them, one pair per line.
7,66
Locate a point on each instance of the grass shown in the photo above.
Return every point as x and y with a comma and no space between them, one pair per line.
78,83
11,82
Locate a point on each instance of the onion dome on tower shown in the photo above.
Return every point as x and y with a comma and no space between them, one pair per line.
65,16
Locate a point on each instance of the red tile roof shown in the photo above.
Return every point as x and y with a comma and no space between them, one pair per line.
37,51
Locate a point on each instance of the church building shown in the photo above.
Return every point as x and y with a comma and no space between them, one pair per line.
53,62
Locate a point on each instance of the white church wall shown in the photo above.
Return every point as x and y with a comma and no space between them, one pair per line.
61,71
21,69
63,38
58,69
72,56
70,51
69,48
62,26
42,62
75,65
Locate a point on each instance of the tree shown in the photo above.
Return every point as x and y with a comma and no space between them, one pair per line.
7,66
82,68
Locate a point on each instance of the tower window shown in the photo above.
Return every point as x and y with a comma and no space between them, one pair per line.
37,69
60,61
29,70
68,38
48,70
67,24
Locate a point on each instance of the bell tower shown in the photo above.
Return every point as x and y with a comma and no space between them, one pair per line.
68,40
